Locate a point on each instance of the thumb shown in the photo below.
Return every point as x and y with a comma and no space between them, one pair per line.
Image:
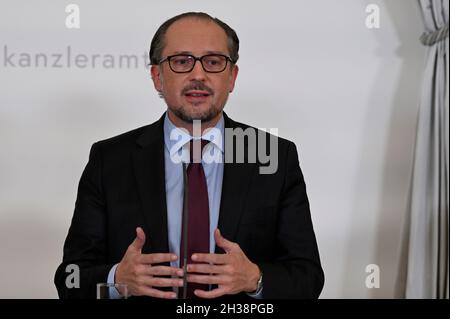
224,243
139,241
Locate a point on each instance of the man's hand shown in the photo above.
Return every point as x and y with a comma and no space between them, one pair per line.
233,272
139,271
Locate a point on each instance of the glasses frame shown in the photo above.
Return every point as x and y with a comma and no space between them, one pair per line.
168,58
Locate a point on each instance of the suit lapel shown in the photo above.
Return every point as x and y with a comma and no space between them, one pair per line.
149,170
236,181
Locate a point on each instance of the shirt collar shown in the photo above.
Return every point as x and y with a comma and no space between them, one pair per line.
184,137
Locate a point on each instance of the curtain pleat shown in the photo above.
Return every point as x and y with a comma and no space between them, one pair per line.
427,268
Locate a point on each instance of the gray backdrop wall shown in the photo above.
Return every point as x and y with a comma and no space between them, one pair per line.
346,94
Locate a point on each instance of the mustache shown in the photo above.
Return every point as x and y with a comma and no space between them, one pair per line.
200,86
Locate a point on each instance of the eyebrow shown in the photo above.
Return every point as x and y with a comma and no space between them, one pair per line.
190,53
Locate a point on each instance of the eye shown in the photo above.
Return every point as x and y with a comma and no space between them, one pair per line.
213,61
181,60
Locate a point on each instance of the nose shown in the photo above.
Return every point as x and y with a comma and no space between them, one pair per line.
197,72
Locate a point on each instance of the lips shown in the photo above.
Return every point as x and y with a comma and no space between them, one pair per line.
197,96
197,93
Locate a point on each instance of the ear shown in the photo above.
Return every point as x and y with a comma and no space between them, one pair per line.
155,72
233,76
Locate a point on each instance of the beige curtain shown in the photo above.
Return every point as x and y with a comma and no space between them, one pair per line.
427,268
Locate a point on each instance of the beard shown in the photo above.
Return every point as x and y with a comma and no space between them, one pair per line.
206,116
183,112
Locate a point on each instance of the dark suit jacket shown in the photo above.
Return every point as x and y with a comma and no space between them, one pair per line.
123,186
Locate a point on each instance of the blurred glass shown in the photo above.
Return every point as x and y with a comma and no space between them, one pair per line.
112,291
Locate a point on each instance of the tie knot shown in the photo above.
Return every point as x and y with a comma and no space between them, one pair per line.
196,149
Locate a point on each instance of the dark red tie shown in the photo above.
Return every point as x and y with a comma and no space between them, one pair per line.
198,215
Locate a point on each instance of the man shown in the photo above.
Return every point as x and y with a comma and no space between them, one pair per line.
168,229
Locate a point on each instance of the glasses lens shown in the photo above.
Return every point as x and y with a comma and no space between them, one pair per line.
214,63
181,63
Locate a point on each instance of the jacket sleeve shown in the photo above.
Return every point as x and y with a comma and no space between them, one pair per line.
296,272
85,246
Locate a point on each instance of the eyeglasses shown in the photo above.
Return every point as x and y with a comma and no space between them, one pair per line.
184,63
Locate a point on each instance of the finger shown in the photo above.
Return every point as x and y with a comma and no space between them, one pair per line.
152,292
212,280
139,241
206,268
218,259
164,271
157,258
210,294
162,282
224,243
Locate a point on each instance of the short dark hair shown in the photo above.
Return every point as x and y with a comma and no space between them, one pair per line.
157,45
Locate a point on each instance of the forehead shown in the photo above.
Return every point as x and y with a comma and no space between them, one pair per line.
195,35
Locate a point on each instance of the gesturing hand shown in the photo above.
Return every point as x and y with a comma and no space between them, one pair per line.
140,271
233,272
